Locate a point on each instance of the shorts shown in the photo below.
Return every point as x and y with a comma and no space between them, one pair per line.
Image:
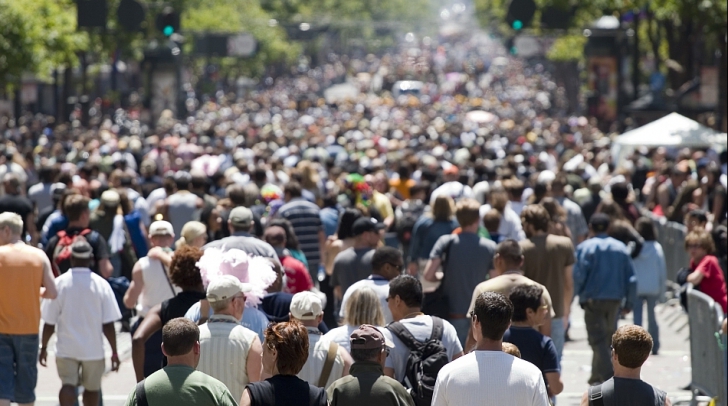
18,367
91,373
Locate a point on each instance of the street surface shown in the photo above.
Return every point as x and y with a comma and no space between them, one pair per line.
669,370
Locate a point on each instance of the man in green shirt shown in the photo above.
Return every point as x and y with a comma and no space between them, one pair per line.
179,384
366,383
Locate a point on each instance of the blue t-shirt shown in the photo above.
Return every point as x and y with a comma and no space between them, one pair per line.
535,348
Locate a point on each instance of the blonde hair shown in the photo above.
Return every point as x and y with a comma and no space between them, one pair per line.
190,231
363,307
13,221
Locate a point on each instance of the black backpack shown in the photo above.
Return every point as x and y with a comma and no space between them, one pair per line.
424,362
408,214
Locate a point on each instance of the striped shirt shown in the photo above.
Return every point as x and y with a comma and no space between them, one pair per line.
224,346
306,220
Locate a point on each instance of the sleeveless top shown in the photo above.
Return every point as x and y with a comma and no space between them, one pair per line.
286,390
156,285
178,305
21,275
631,392
180,208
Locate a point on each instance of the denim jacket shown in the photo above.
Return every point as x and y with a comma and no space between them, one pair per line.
604,271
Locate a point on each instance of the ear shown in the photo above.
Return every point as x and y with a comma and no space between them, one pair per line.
196,348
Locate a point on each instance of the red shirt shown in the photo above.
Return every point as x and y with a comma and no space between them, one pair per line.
713,283
297,277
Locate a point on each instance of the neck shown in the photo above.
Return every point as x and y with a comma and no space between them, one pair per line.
486,344
182,360
627,373
360,243
698,259
521,324
513,269
77,224
410,312
227,312
539,233
473,228
11,240
309,323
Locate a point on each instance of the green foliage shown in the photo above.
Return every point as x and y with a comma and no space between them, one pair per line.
567,48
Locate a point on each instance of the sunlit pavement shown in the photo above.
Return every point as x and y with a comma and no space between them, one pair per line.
669,370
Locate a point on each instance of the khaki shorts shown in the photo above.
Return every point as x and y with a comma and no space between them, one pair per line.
90,374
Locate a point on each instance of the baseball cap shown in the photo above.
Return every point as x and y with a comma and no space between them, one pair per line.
364,224
110,198
161,227
599,222
306,306
81,249
241,216
225,287
368,337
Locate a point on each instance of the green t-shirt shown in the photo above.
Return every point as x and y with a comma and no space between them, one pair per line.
180,385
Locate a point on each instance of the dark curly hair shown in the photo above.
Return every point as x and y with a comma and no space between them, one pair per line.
184,271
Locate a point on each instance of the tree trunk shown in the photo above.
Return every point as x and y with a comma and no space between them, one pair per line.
722,112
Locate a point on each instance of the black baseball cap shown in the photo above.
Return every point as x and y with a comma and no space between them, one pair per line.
599,222
364,224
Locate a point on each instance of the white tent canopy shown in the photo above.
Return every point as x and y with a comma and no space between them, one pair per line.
672,130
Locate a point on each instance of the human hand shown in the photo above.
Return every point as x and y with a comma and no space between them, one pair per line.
115,362
42,356
412,268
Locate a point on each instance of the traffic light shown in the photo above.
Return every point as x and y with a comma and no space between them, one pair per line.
168,21
91,13
520,13
130,15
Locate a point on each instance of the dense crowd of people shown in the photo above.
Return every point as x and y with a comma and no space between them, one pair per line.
397,245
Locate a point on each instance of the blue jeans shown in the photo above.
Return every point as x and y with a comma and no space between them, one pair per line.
18,367
558,334
461,327
652,326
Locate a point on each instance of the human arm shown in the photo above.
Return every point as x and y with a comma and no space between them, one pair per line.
135,287
430,274
696,277
48,290
254,363
48,330
105,268
348,361
161,255
584,399
245,399
110,333
150,325
556,385
568,291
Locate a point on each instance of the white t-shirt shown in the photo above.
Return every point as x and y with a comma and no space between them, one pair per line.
456,190
380,287
318,349
510,224
490,378
421,328
84,304
341,335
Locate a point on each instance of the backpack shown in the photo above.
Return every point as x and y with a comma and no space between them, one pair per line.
407,215
424,361
62,252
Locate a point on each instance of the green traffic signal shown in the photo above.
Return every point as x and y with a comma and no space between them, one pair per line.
517,25
168,30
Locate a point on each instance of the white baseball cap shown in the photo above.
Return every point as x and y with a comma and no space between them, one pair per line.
225,287
306,306
161,227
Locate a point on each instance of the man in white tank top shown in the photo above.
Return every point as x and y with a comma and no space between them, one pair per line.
150,286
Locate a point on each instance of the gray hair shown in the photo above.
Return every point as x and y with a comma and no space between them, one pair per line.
221,305
13,221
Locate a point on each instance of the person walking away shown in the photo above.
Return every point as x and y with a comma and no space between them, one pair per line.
363,307
183,273
488,376
285,351
651,272
466,260
13,201
181,205
225,345
428,228
418,340
306,220
24,272
82,314
705,272
387,264
548,259
297,277
327,361
631,346
605,282
536,348
355,263
506,276
179,383
575,220
58,248
150,285
239,223
367,384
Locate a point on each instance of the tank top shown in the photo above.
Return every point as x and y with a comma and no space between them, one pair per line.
21,275
178,305
286,390
181,207
630,392
156,285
